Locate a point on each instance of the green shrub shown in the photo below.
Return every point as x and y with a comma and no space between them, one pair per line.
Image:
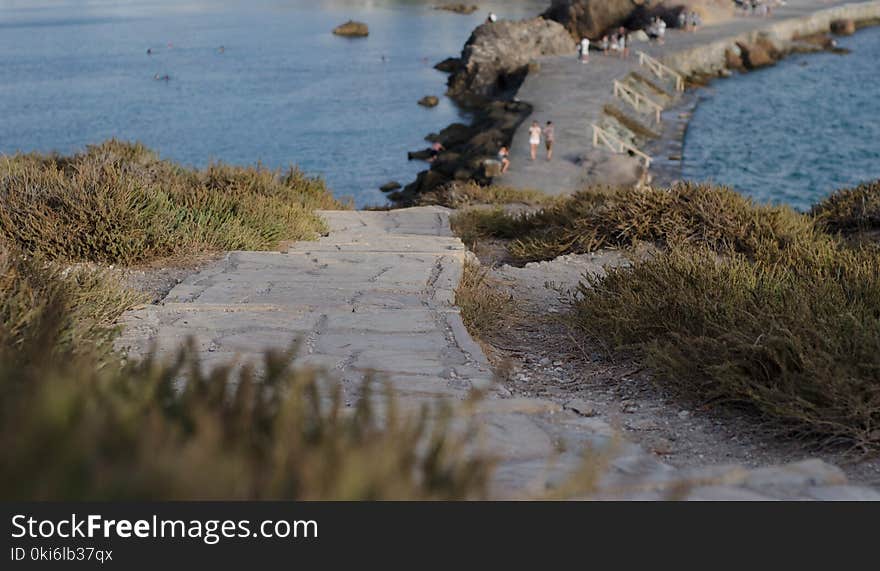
850,211
793,333
118,203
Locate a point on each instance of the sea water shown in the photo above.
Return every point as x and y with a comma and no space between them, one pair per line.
794,132
283,90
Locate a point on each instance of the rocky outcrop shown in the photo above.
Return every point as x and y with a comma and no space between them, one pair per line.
429,101
755,55
496,58
390,185
449,65
590,18
466,148
843,27
352,29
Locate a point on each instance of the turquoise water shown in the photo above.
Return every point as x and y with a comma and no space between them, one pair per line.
284,90
795,132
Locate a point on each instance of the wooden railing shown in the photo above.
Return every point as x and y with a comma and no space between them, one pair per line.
603,137
637,100
661,70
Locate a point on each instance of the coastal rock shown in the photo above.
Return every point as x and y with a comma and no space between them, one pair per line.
449,65
453,135
422,155
733,59
391,185
468,148
843,27
590,18
755,55
496,58
352,29
429,101
458,8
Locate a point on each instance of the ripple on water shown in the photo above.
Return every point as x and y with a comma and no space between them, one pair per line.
794,132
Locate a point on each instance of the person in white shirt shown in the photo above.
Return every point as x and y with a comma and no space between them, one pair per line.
584,49
535,138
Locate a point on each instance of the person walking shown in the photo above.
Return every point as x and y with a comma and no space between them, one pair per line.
534,139
584,50
549,139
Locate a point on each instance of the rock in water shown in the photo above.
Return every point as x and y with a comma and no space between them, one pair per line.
389,186
843,27
590,18
429,101
755,55
352,29
458,8
495,59
449,65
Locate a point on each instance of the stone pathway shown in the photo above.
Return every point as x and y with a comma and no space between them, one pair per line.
573,95
376,295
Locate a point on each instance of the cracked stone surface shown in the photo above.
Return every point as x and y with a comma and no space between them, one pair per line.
377,296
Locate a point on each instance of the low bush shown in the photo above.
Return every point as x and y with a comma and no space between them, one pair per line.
166,431
76,423
118,203
607,217
850,211
80,303
461,195
485,307
792,332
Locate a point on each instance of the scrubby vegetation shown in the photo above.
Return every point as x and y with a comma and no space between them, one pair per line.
485,307
77,422
81,303
118,203
755,305
466,194
611,217
850,211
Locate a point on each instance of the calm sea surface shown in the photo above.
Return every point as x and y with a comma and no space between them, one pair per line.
284,89
792,133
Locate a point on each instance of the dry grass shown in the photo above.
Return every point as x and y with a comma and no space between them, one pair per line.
76,423
850,211
71,431
118,203
792,332
755,305
486,308
462,195
620,217
82,304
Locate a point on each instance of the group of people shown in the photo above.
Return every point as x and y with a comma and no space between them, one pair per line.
656,30
547,134
689,21
756,7
618,42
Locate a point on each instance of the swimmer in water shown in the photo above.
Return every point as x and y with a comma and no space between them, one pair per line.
221,49
149,51
165,77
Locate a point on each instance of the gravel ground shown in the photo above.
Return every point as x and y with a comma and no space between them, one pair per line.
542,356
156,280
